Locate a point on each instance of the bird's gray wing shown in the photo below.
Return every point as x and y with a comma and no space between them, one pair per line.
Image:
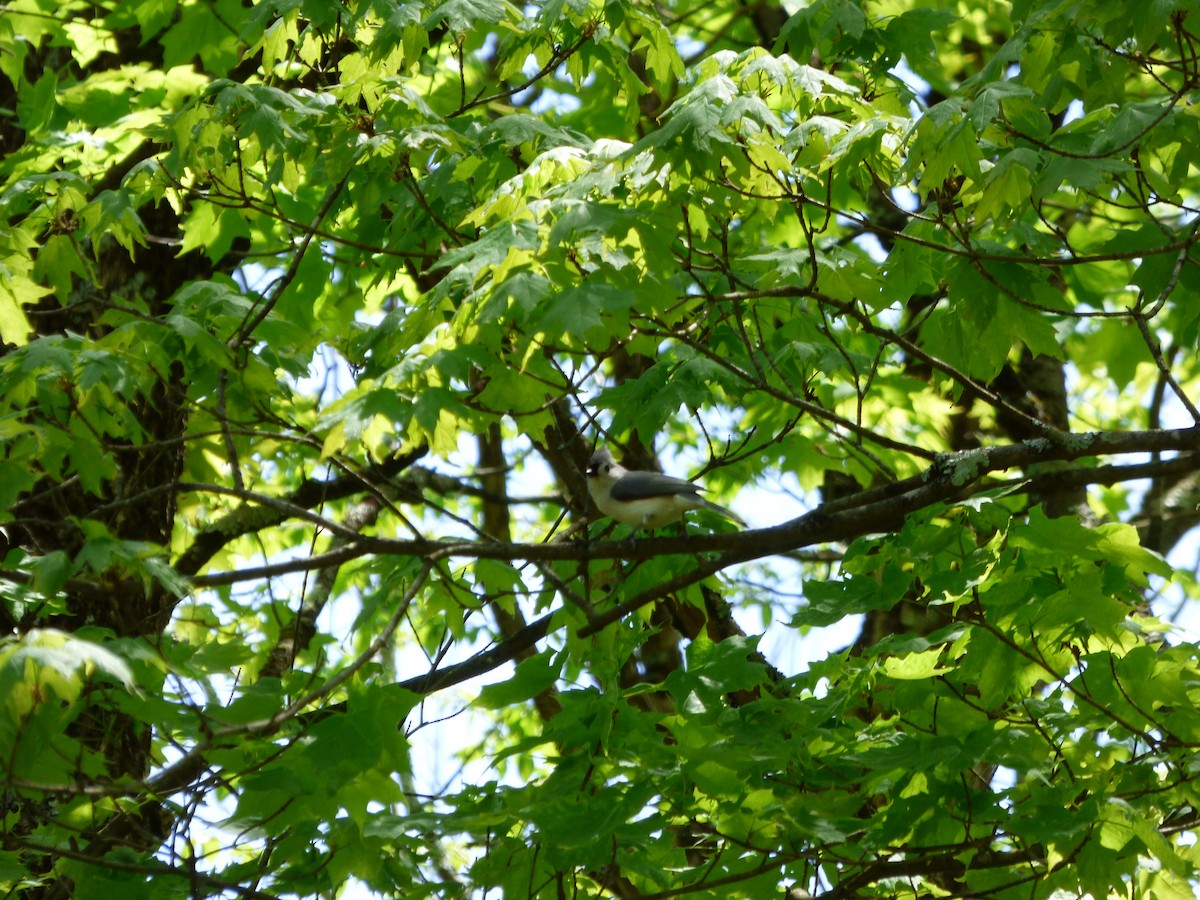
640,485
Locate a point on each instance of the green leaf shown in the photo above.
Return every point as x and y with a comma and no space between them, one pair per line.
696,120
56,660
662,58
533,676
154,15
915,666
1119,544
213,230
205,30
17,291
37,104
460,15
832,601
50,572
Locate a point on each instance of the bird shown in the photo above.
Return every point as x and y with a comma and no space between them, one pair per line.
644,500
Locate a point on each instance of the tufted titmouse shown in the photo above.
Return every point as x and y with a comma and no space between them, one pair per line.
644,499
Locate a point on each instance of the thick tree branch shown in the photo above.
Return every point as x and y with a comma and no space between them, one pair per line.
867,512
251,517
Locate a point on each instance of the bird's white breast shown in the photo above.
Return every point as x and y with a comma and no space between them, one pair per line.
649,512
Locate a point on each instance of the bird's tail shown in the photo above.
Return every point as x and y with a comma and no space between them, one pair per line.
727,513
